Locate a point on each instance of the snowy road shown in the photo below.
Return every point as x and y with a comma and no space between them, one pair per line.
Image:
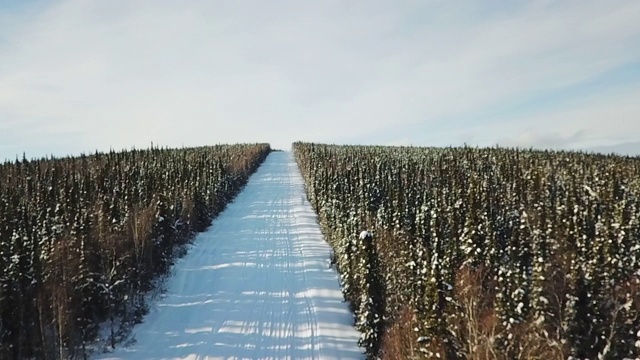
256,285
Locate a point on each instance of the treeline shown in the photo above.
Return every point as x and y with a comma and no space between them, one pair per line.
82,239
483,253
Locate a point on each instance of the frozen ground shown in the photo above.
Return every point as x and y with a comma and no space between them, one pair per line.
256,285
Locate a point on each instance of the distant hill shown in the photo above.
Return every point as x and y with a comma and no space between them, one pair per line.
628,148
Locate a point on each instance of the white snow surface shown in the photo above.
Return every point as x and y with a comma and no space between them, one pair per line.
256,285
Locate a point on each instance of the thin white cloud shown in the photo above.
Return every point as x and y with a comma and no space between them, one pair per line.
120,74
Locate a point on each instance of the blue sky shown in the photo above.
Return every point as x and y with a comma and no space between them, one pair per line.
79,76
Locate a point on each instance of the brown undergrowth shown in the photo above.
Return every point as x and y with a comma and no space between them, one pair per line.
475,329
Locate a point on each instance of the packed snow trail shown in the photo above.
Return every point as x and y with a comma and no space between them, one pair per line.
256,285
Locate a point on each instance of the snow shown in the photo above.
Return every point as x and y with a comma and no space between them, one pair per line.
256,285
590,191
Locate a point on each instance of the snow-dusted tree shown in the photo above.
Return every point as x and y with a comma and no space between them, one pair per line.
554,232
370,310
66,233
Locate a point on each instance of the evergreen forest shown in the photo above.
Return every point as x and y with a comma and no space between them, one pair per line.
84,240
493,253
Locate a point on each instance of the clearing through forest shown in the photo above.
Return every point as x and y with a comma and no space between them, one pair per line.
255,285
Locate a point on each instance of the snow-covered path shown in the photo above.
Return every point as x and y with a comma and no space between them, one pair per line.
256,285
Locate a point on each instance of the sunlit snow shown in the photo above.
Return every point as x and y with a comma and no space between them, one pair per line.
256,285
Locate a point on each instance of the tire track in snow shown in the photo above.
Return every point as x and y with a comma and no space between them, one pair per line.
311,324
255,285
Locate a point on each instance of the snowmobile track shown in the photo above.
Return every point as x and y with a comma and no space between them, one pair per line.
256,285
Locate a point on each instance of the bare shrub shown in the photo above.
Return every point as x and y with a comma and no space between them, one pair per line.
399,342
